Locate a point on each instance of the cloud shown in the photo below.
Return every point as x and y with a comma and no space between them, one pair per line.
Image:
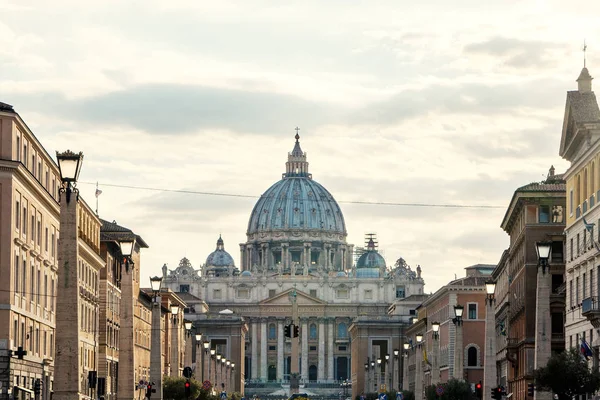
177,109
518,53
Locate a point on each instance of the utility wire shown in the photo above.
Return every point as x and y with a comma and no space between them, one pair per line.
248,196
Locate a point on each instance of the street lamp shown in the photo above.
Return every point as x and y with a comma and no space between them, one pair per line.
415,320
543,253
458,313
419,338
490,288
174,312
198,339
188,327
155,283
69,166
67,312
435,327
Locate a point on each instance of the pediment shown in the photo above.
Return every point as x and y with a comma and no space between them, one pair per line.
301,298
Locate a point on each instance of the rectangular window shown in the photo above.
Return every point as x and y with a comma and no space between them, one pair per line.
342,348
571,293
544,214
52,298
39,170
272,292
577,291
24,281
217,294
18,148
342,293
39,229
33,234
578,248
25,154
184,288
47,180
313,292
272,348
571,254
16,288
400,292
368,294
312,348
584,287
45,291
24,216
583,243
53,242
243,293
18,212
46,240
571,202
472,311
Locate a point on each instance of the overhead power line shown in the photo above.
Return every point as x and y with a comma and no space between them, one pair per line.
248,196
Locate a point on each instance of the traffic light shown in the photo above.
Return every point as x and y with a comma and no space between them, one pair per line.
187,388
37,387
478,391
497,392
149,390
287,330
530,389
296,331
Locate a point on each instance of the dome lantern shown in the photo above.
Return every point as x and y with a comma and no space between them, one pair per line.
296,165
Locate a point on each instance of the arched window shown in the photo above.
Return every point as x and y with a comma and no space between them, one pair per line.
472,357
272,332
342,330
313,332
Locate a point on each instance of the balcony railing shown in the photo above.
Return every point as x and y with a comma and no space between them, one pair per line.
589,305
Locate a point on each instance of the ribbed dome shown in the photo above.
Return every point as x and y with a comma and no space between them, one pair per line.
297,202
371,258
219,257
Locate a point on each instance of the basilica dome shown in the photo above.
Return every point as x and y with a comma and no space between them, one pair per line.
297,202
219,257
370,263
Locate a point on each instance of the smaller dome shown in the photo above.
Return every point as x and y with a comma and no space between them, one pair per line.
341,273
371,258
219,257
246,274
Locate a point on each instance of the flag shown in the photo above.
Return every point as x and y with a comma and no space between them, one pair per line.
98,192
502,328
585,349
425,356
588,226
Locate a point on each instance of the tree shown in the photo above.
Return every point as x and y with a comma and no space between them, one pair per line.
567,375
174,388
453,390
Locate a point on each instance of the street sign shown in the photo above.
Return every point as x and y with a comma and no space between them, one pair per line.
399,396
187,372
206,385
439,390
223,395
382,396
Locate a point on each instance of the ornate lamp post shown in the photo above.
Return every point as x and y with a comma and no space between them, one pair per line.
406,355
206,372
213,370
198,366
435,368
458,342
218,376
419,367
378,374
387,375
373,376
543,327
489,376
67,383
232,383
156,361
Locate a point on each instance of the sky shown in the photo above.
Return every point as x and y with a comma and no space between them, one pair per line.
431,103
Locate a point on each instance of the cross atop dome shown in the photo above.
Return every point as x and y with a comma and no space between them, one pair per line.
296,165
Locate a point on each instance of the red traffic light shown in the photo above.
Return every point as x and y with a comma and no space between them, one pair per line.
149,386
187,384
478,386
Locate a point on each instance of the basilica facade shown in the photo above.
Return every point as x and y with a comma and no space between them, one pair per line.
296,247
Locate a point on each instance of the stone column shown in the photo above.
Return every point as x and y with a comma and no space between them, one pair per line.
435,369
405,361
68,373
419,373
156,359
489,377
458,352
280,350
125,390
175,333
206,372
243,258
305,333
254,360
284,255
330,341
198,366
321,366
367,378
543,333
263,350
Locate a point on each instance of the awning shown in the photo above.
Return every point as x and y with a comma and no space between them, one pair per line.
23,389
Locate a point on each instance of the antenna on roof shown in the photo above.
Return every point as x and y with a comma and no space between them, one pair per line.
371,241
584,49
